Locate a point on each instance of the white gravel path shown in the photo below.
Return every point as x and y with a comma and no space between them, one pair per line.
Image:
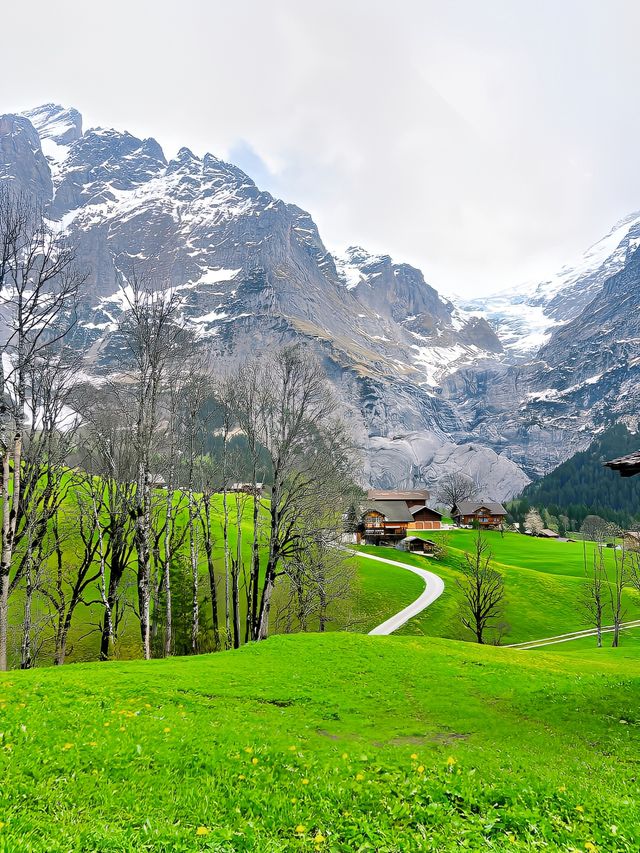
433,588
567,638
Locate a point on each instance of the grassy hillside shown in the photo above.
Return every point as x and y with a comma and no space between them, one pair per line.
376,592
331,742
543,580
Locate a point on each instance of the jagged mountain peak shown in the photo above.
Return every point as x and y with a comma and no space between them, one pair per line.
62,125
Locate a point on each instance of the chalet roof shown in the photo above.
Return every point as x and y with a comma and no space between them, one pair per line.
471,507
414,509
626,466
392,510
418,539
385,495
550,534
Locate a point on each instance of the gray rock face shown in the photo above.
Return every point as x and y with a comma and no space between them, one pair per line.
428,387
22,163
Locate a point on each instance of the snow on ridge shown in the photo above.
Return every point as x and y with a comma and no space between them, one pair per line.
348,272
55,122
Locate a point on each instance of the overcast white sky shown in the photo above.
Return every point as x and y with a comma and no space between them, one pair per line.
485,141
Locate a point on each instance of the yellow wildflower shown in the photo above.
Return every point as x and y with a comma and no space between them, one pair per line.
147,705
292,748
345,755
305,781
301,829
294,800
203,830
254,760
1,824
107,724
359,777
166,730
248,749
421,768
68,746
579,808
590,847
8,747
414,756
451,761
93,743
319,838
562,788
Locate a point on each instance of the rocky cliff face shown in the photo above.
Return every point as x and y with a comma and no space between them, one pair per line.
429,387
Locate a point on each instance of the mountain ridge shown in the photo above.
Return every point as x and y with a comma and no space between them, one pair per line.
430,385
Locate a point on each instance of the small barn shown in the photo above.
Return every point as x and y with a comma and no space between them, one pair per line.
425,518
547,533
418,545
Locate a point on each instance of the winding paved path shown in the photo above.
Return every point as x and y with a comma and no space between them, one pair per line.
566,638
433,588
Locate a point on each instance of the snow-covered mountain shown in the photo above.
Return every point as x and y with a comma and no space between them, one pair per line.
430,386
525,316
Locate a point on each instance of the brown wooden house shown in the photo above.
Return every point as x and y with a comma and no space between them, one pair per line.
479,513
388,515
385,521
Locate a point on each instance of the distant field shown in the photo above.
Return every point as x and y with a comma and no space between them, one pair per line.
336,743
543,580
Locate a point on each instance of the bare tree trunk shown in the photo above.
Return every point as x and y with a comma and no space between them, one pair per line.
168,600
10,505
225,536
205,521
193,556
25,646
235,577
254,585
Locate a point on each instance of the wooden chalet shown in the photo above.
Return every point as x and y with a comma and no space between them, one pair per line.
385,522
626,466
479,513
388,515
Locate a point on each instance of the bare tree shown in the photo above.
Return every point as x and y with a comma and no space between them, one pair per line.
455,487
482,589
153,334
109,460
595,529
618,577
205,517
595,591
39,286
309,457
247,401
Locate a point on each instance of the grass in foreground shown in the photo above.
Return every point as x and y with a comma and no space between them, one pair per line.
324,742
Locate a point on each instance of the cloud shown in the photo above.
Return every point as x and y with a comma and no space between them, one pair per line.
484,142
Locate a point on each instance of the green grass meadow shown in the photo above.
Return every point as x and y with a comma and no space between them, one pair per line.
341,742
335,742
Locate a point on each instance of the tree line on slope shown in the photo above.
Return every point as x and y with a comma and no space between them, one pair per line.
582,486
84,525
